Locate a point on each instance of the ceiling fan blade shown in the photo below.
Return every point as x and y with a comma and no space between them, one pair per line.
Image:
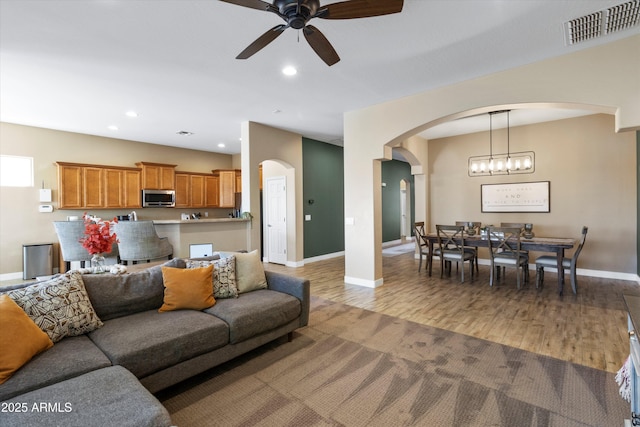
359,9
320,45
253,4
262,41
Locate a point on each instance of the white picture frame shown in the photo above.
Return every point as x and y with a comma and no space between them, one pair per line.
516,197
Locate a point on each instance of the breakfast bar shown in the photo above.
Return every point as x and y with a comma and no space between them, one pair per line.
226,234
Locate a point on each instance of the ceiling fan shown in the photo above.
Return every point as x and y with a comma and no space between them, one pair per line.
296,14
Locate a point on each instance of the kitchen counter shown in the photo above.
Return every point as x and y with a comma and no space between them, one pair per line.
203,220
225,234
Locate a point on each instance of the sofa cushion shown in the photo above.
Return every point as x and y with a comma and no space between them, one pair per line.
110,396
147,342
224,275
115,296
20,338
250,272
255,312
71,357
60,306
187,288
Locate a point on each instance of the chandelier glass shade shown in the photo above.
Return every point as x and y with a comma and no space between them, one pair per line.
508,163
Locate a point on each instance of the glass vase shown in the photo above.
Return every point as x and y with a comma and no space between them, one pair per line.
98,264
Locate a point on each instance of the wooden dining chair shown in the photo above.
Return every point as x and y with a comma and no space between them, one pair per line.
505,251
422,247
567,263
451,248
473,228
519,225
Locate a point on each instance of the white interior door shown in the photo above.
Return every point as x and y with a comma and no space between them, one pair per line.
276,219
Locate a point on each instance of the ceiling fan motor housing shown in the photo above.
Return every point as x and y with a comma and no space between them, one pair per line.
297,12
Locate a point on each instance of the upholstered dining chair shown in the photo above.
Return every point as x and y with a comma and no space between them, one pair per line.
69,235
567,263
139,241
505,251
421,244
451,248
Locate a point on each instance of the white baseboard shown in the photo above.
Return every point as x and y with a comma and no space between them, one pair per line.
363,282
11,276
324,257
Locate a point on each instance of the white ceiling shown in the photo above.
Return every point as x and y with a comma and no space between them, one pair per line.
79,65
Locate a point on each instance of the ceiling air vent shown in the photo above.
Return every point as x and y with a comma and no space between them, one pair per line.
597,24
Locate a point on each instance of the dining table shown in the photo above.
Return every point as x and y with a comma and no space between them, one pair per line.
555,245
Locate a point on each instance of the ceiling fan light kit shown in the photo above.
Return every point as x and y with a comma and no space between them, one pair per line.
297,13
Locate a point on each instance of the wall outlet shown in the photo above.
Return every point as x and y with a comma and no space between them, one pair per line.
307,217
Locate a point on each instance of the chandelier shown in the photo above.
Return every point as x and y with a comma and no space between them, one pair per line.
508,163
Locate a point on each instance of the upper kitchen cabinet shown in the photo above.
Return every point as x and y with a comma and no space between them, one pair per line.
195,190
97,187
228,186
157,176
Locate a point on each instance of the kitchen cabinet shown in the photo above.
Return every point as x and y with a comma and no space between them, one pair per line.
122,188
183,190
82,186
70,186
157,176
190,190
211,191
227,187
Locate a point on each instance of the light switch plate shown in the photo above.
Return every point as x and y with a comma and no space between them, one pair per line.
307,217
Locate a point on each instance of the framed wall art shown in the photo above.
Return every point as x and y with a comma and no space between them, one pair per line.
516,197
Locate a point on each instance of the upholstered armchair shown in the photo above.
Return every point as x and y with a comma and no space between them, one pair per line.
69,235
138,241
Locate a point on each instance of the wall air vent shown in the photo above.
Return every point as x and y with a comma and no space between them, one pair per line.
603,22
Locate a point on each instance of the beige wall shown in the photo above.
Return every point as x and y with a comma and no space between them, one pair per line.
260,143
603,79
592,173
20,221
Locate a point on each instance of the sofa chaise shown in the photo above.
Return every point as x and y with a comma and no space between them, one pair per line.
133,348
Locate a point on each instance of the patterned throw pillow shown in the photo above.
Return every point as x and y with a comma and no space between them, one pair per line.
60,306
224,276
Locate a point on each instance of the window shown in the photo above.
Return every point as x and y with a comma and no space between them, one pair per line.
16,171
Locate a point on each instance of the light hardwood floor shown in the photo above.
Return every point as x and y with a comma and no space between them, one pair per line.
589,328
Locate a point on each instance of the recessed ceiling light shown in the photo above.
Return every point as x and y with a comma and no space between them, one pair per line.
289,71
184,133
221,145
112,127
131,114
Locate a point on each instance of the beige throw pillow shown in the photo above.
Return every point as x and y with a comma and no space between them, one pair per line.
249,272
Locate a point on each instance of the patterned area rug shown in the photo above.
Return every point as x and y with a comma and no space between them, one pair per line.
353,367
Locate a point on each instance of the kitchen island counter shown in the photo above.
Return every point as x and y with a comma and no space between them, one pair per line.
225,234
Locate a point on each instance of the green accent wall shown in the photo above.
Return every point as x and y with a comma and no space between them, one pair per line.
394,171
323,183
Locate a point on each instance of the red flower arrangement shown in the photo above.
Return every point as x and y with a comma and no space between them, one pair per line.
99,237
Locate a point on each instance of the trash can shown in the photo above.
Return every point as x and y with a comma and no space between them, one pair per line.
37,260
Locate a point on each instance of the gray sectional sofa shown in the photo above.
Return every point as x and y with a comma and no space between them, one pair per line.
107,376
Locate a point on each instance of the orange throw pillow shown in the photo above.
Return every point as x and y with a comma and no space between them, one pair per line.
187,288
20,338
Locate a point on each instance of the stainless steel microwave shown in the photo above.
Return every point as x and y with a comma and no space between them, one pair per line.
158,198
